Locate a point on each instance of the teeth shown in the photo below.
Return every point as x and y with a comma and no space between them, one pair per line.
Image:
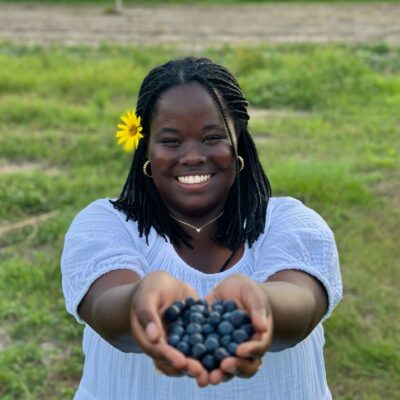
194,179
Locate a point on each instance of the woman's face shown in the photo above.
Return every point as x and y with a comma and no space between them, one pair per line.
192,161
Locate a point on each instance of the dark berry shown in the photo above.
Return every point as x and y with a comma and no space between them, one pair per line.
239,318
195,338
225,328
198,308
229,305
185,338
181,304
249,329
207,329
177,330
211,344
232,347
213,335
214,318
173,340
197,318
193,328
198,350
219,308
183,347
240,336
190,301
209,362
227,316
220,353
225,340
172,313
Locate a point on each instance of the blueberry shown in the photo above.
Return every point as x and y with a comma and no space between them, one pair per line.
213,335
211,344
232,347
190,301
249,329
198,350
195,338
181,304
214,318
229,305
240,336
177,330
220,354
178,322
198,308
185,338
173,340
225,340
183,347
209,362
193,328
225,328
239,318
218,307
207,329
227,316
197,318
172,313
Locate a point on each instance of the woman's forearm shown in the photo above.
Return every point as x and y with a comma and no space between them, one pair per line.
295,311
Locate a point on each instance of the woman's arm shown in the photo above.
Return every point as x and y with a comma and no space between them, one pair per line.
298,302
106,308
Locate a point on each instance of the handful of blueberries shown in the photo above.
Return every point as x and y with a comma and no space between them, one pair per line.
207,335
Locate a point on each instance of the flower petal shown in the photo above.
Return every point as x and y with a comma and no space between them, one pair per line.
129,145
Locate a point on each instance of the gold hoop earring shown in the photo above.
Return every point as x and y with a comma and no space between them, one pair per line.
241,163
145,169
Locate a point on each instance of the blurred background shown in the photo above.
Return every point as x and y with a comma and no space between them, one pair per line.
323,83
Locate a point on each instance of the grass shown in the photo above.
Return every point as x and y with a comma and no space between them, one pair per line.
327,133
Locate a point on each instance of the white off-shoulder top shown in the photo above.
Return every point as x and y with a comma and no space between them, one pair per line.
100,240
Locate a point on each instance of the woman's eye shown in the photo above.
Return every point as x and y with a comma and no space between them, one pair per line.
214,138
169,141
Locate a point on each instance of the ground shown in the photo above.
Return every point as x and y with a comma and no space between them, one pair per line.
200,26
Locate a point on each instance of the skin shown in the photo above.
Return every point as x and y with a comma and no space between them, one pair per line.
188,137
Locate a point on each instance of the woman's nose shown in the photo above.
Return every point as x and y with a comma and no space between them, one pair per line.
192,154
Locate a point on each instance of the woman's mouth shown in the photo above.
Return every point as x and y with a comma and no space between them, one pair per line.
194,179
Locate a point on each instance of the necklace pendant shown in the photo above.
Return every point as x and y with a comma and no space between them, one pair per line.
198,230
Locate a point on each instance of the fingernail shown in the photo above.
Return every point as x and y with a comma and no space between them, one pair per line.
233,371
151,331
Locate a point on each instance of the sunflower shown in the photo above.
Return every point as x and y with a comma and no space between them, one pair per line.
129,133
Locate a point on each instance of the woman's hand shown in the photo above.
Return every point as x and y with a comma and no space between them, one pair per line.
251,297
152,296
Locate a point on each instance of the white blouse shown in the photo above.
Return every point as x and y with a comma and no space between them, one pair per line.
101,240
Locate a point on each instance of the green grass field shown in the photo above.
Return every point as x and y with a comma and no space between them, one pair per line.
327,125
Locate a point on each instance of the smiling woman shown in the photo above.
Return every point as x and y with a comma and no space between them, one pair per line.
196,219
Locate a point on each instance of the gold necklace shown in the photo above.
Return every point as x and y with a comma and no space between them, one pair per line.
198,230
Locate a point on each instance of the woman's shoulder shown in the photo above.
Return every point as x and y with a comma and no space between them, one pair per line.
288,213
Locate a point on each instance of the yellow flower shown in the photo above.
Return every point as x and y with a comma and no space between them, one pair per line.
129,133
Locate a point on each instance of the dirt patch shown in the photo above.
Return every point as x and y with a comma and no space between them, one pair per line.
201,26
26,167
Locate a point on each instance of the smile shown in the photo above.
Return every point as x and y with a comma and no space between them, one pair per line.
193,179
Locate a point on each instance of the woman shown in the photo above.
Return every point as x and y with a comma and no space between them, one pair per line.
195,219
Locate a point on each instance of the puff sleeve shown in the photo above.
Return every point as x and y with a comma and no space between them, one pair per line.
296,237
97,242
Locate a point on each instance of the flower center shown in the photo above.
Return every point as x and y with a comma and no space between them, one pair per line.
133,130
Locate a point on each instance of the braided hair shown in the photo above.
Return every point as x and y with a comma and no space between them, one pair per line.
244,213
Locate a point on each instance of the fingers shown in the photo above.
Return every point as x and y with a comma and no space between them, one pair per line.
256,347
240,367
